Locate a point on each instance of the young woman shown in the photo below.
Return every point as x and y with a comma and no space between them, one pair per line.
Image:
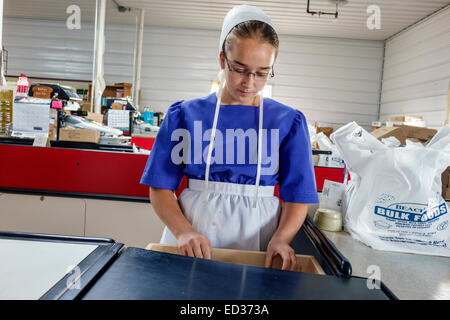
234,147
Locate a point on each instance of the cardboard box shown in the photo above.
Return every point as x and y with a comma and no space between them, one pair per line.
117,106
445,178
97,117
253,258
143,135
79,135
385,132
86,106
447,194
406,118
376,125
326,130
52,132
420,133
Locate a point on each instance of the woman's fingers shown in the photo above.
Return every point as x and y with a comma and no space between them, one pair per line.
197,250
188,251
206,250
286,261
268,261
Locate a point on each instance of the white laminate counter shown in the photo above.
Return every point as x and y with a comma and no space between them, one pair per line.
28,269
408,276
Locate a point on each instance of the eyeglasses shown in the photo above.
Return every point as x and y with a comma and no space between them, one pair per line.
259,75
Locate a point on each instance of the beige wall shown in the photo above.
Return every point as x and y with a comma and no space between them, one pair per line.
131,223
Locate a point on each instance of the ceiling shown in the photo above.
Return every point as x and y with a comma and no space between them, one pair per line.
289,16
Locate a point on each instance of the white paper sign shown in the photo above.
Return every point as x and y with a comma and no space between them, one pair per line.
40,140
119,119
30,118
331,197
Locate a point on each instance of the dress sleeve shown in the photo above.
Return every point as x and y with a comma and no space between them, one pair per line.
296,179
160,171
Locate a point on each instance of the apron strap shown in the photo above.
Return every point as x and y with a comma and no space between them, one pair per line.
213,133
260,133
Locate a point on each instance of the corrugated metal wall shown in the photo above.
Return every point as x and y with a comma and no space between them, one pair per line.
417,71
331,80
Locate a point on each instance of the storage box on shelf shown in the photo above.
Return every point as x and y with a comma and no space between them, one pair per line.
118,90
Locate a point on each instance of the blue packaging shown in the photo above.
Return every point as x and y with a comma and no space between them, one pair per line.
148,116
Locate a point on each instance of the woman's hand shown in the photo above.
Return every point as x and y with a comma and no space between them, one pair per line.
194,244
283,249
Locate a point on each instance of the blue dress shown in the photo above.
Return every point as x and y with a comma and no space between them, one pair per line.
182,142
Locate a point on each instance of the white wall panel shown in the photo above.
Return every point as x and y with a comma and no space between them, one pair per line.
331,80
417,71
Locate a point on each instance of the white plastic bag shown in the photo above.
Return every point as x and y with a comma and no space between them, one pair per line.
391,142
396,202
329,160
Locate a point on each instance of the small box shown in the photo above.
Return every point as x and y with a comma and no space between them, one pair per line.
95,117
52,132
117,106
86,106
253,258
385,132
79,135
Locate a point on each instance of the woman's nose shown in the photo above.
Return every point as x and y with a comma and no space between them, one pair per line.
249,80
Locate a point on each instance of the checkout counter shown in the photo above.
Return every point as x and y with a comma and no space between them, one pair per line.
114,174
51,267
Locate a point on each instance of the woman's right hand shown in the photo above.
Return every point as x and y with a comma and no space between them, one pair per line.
194,244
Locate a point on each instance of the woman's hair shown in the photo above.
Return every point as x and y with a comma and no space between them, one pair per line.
252,29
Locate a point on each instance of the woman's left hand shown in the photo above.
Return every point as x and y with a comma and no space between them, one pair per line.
285,251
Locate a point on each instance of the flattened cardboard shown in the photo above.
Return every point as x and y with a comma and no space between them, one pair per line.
385,132
420,133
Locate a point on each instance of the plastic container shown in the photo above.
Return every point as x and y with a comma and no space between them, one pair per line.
328,220
22,86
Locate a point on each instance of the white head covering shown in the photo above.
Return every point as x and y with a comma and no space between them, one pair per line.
236,15
239,14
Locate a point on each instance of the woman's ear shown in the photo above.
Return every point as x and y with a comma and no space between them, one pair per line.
222,60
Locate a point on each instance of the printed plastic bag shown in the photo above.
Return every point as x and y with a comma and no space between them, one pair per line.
396,202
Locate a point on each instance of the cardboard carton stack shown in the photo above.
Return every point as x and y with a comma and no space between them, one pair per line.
403,128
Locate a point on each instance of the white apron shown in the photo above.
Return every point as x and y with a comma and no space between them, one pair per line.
230,215
228,218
